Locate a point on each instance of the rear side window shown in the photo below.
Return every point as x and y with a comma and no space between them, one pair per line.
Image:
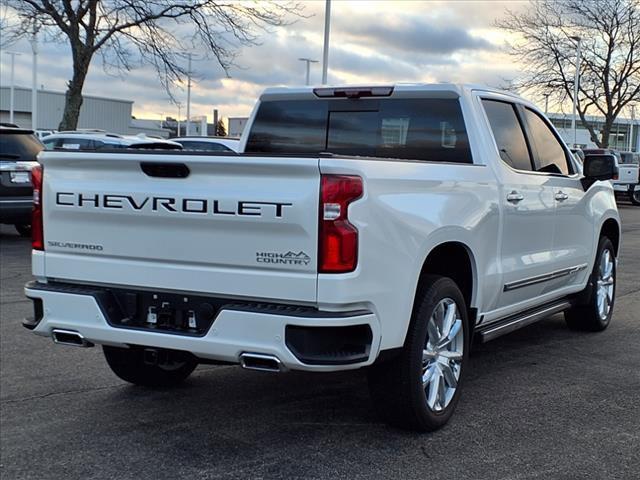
550,155
508,134
205,146
19,146
76,144
412,129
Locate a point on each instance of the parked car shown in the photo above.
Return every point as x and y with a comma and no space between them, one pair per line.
44,133
626,183
99,140
209,144
18,151
365,227
631,160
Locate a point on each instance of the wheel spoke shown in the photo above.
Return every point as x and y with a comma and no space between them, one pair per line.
427,356
432,331
451,355
427,376
434,388
449,319
449,376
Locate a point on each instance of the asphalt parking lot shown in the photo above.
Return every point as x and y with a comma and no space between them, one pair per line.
543,402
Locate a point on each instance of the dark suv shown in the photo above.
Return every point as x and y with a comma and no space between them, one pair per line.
18,150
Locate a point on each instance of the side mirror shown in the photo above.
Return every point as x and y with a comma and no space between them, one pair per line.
599,167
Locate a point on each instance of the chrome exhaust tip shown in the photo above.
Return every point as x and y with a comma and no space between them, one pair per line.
69,337
261,362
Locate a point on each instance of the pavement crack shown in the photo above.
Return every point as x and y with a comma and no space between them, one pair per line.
55,394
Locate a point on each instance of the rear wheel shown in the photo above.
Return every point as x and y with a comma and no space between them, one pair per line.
595,314
23,229
419,389
150,367
634,194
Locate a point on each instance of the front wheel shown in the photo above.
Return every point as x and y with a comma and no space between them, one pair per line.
419,389
595,313
150,367
634,194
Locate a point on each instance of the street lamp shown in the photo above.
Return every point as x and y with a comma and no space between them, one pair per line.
633,119
546,102
325,49
11,84
308,61
576,83
188,97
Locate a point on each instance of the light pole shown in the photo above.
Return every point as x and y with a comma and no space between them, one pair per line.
11,84
34,79
546,102
308,61
188,97
179,106
576,83
633,119
325,49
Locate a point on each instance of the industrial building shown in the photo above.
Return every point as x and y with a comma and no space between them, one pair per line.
621,131
109,114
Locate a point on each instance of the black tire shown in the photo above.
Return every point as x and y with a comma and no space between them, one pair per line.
23,229
396,385
132,365
588,316
634,194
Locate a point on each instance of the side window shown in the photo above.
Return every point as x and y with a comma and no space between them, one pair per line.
508,134
76,144
551,157
51,143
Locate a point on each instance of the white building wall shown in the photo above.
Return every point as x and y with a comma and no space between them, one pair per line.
96,112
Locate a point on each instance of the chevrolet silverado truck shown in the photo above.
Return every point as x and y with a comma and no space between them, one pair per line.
379,228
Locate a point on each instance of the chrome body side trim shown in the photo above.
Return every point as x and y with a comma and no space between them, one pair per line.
544,278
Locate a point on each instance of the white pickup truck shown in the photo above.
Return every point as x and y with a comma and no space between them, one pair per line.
377,227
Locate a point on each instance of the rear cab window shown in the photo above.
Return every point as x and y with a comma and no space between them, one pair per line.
427,129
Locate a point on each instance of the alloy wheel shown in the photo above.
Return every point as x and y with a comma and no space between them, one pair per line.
605,284
442,355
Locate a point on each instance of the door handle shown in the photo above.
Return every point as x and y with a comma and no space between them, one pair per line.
561,196
515,197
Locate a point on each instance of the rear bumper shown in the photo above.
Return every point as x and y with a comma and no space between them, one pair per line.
296,339
15,210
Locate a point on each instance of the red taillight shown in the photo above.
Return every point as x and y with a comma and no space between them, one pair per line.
338,239
37,235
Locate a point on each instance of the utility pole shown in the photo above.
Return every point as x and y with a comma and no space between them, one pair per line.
188,97
179,105
34,79
12,84
633,119
325,49
546,103
308,61
576,84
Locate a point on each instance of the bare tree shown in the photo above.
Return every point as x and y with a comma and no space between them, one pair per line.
129,32
610,43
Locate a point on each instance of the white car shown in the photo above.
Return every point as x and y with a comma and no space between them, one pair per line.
383,228
99,140
209,144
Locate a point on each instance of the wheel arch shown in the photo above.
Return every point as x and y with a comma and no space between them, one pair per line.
611,229
455,260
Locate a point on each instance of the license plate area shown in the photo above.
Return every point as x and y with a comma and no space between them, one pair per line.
20,177
162,312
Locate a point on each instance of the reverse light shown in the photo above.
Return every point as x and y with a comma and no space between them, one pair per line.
338,238
37,234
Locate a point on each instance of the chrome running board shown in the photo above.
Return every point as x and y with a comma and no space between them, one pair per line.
514,322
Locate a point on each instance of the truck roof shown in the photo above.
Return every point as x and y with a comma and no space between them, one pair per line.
398,89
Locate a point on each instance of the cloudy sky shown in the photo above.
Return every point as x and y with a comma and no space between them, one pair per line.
370,42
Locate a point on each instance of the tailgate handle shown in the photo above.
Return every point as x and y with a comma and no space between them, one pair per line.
165,170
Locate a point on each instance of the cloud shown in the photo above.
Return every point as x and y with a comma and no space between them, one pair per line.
371,42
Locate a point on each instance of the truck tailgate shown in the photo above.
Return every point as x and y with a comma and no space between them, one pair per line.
234,226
